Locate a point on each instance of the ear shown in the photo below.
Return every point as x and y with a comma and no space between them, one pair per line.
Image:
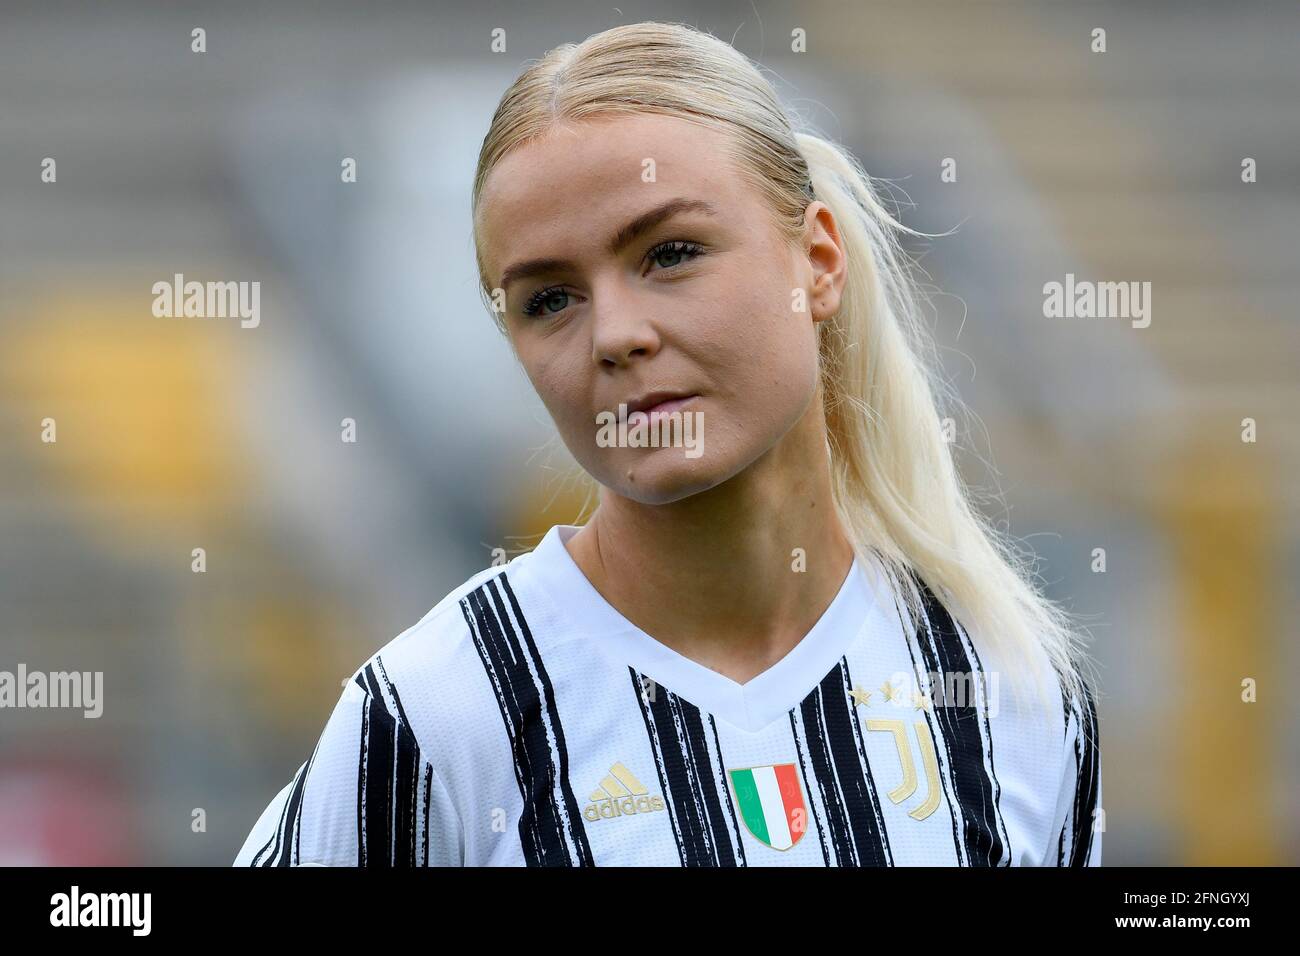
825,251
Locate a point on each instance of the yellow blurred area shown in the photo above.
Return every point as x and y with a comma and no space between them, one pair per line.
146,465
1221,513
136,407
267,652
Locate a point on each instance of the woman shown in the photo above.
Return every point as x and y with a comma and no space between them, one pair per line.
784,637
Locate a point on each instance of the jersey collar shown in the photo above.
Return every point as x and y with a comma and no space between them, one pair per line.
751,706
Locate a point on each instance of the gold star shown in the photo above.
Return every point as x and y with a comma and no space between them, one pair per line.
889,691
921,701
861,696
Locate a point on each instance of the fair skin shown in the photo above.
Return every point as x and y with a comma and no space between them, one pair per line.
697,552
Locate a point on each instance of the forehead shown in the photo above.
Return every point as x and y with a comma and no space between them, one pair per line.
579,182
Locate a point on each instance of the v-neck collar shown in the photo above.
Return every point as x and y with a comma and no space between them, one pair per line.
750,706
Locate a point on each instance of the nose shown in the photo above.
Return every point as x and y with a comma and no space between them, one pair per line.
621,330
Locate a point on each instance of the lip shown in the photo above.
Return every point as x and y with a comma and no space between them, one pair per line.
660,403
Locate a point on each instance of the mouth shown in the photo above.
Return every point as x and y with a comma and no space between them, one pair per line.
656,404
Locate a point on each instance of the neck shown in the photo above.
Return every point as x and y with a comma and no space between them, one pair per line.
717,576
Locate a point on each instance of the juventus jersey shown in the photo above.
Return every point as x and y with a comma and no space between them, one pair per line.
525,722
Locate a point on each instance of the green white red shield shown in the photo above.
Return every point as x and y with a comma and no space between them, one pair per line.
771,803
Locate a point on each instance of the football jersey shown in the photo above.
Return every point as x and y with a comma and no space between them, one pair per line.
524,721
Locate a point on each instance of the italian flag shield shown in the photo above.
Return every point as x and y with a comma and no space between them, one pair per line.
771,803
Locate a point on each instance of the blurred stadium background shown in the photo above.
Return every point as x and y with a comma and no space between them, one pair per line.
176,434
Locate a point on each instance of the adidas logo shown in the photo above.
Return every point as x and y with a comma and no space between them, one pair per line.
620,794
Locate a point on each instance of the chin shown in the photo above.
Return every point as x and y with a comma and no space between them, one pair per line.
661,476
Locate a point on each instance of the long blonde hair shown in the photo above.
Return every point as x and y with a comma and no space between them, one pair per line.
895,484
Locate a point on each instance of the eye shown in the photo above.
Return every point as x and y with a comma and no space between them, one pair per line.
543,296
676,251
554,299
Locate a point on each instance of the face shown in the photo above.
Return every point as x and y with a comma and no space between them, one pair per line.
622,291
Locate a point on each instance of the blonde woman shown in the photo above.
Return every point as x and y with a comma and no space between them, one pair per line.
784,637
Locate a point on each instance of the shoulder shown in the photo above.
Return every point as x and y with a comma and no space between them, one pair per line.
1032,711
430,671
1018,677
1043,729
1047,742
434,643
439,677
413,736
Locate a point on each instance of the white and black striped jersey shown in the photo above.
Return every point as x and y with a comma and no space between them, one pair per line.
524,721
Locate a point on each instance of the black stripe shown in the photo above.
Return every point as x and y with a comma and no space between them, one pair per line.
406,782
723,788
428,793
688,779
391,689
406,796
369,680
527,705
377,780
295,815
940,746
993,770
273,839
1087,780
808,789
289,829
577,829
284,829
490,644
638,688
855,826
943,653
1061,856
361,777
388,783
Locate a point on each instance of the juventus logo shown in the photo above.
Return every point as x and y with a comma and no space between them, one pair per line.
929,761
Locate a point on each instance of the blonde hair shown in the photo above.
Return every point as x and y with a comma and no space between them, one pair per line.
895,484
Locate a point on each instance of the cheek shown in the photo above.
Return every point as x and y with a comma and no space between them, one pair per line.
768,385
560,378
763,354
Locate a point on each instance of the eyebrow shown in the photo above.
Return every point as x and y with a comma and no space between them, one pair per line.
622,239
